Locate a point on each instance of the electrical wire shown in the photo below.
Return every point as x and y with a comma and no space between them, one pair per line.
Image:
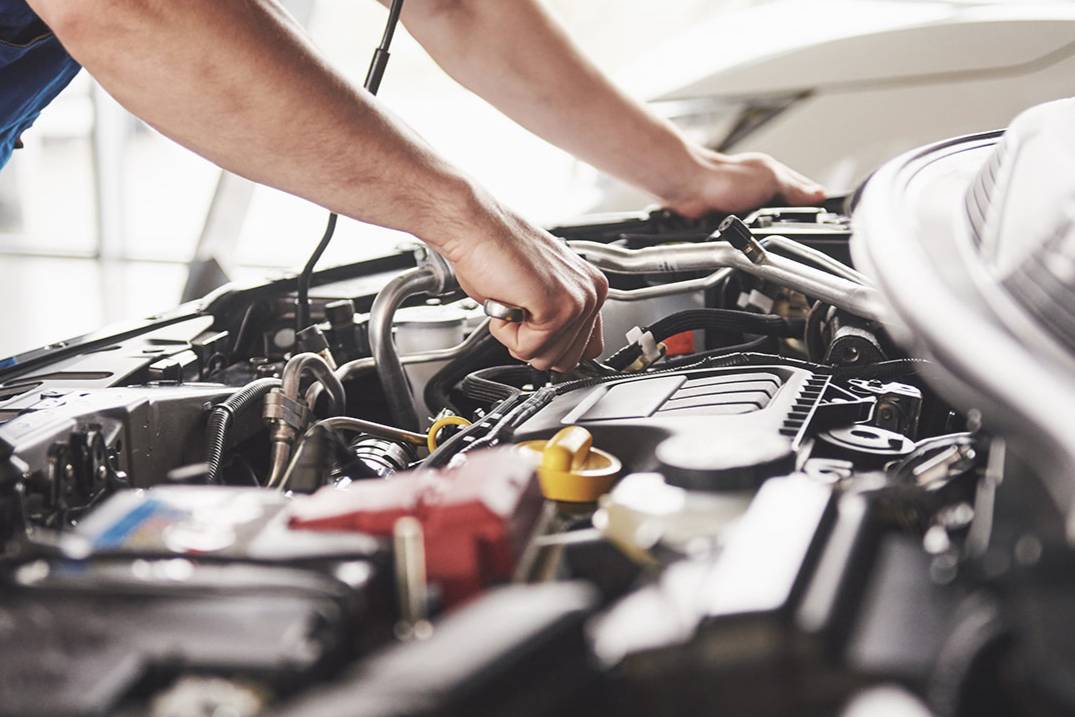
372,84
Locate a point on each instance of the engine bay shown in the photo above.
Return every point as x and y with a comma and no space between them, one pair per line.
755,501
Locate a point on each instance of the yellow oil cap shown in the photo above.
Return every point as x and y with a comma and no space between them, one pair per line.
571,469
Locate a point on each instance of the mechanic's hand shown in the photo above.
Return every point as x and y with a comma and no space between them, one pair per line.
740,182
512,261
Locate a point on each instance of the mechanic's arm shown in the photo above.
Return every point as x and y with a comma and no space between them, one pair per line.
516,57
236,81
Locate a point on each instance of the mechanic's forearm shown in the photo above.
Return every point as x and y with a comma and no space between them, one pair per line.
518,58
236,81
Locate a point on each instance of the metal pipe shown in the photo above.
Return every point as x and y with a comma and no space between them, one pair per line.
859,299
359,425
359,366
397,391
279,454
433,276
297,365
337,423
819,258
658,259
287,416
671,289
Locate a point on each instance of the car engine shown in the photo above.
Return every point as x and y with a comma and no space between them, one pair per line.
773,495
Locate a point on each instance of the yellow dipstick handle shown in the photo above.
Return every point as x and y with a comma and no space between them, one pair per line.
570,469
568,450
431,437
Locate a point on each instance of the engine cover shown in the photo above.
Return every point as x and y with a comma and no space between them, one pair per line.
730,406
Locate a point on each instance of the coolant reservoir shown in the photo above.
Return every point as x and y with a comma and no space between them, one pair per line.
419,329
428,328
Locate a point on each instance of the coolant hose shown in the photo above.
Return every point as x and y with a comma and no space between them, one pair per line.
434,276
486,351
220,416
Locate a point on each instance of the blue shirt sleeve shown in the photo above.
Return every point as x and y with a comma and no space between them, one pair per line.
34,68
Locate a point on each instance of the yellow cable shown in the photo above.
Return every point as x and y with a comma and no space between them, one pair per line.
431,438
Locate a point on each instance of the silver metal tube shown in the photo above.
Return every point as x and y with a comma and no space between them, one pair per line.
820,258
360,366
659,259
313,363
836,290
359,425
282,475
671,289
283,435
859,299
420,280
280,452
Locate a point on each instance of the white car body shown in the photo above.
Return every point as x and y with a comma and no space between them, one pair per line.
859,80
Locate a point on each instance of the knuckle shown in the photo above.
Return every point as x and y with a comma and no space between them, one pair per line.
601,286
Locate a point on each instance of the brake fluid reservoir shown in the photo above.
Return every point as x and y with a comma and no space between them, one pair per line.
419,329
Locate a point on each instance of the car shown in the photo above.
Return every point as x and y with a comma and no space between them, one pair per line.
826,471
778,78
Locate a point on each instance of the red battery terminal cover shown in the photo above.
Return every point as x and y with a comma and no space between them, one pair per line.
476,516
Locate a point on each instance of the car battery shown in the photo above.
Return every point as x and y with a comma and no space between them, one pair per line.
232,527
212,523
90,637
476,516
187,580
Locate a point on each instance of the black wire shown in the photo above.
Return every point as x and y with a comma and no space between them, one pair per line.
390,27
720,320
303,316
372,84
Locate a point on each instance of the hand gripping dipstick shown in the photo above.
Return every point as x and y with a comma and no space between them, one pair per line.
516,315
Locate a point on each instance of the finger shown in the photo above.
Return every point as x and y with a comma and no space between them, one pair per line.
801,189
540,347
564,354
797,193
587,325
570,359
569,335
530,340
507,333
596,345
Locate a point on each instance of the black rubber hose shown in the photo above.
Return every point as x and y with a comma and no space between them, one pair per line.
754,344
220,420
727,320
488,352
496,384
894,368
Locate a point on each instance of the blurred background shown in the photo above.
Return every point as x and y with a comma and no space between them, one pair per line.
101,217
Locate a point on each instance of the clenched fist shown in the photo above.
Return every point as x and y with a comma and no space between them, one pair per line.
498,255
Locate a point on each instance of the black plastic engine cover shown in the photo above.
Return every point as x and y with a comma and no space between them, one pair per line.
632,416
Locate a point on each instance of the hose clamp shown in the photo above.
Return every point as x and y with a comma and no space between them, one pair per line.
441,270
284,409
